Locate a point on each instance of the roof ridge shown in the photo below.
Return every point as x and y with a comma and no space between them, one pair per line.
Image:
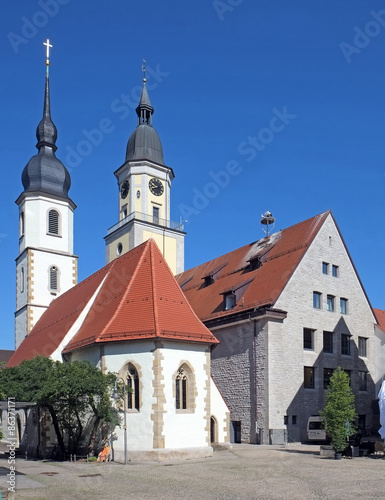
124,296
153,284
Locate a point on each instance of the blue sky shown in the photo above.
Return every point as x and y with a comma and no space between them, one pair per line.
285,97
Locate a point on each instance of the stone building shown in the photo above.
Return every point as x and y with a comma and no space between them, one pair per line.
287,310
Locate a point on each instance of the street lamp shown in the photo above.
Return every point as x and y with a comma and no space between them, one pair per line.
116,396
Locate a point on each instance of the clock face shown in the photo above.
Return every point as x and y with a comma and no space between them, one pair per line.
156,187
124,189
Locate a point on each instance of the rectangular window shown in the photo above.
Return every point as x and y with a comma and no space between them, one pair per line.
345,344
308,379
317,300
362,346
335,271
325,268
363,381
328,372
155,215
285,420
328,342
230,301
294,419
344,305
308,338
330,303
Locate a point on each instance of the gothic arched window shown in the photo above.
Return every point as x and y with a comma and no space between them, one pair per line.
133,388
181,388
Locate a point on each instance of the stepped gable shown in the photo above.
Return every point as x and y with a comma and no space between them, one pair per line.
257,272
140,299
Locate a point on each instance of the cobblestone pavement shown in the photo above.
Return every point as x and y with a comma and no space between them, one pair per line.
295,472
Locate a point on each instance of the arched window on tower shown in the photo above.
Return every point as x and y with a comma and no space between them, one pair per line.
133,400
21,224
53,279
53,222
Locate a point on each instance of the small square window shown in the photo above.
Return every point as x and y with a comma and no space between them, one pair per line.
325,268
335,271
363,381
328,372
317,300
344,305
308,338
328,342
330,303
362,346
308,381
345,344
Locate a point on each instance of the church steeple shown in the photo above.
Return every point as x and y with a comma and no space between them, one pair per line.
46,266
44,173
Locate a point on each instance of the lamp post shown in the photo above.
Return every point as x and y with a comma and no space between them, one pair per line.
116,396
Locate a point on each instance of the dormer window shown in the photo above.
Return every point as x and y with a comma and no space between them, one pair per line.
211,277
230,300
208,280
255,263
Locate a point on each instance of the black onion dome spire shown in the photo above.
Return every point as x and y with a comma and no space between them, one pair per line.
144,142
44,172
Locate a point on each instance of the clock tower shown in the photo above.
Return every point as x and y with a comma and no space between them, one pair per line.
144,195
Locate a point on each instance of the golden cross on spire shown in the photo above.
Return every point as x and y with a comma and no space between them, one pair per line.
144,70
47,44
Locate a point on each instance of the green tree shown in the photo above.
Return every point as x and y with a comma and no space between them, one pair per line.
71,392
339,413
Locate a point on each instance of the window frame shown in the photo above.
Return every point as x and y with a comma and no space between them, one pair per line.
343,310
330,303
57,223
309,375
363,381
330,336
317,299
325,268
335,271
310,332
345,344
327,373
363,347
133,394
53,270
155,214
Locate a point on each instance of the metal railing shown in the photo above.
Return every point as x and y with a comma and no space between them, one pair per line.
178,226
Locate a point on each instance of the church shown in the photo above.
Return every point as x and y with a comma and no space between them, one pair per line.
240,348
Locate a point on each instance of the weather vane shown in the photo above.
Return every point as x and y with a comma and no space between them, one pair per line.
47,44
144,69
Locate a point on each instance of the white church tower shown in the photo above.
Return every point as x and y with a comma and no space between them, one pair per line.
46,266
144,195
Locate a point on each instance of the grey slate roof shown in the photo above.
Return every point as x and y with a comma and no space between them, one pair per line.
144,142
44,172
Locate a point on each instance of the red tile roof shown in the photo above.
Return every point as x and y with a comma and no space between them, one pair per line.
380,316
139,298
279,255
